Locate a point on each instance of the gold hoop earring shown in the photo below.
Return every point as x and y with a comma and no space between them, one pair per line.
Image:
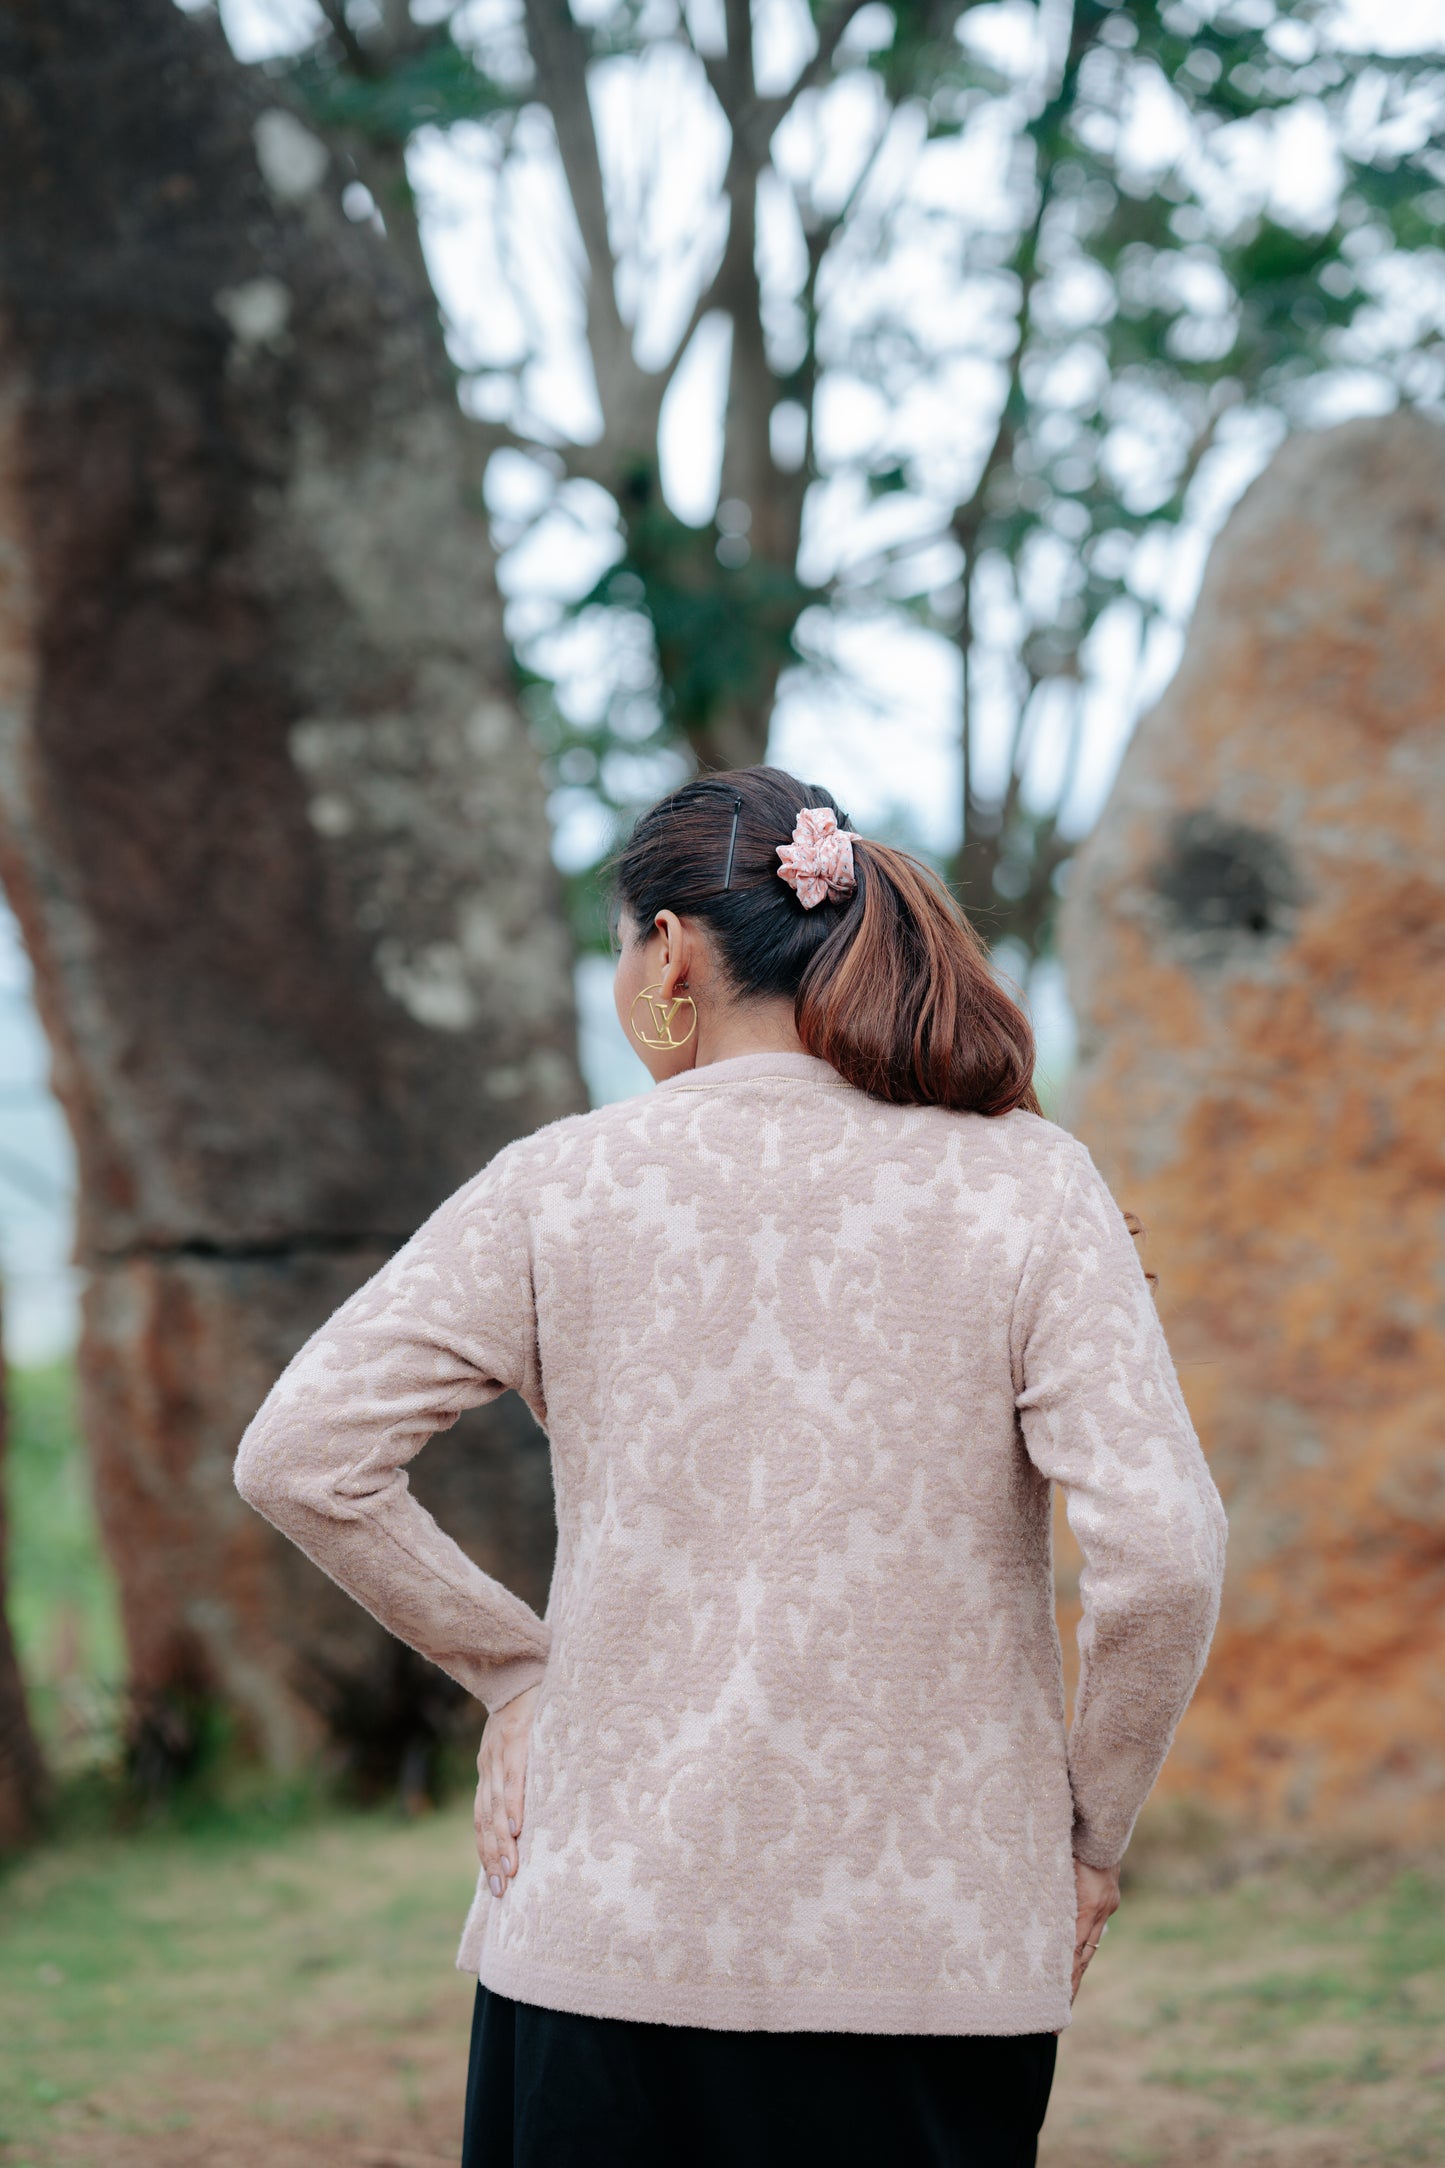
660,1015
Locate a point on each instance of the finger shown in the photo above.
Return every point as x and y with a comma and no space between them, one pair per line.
1091,1917
482,1814
504,1851
1085,1950
497,1852
490,1834
1084,1954
514,1786
479,1804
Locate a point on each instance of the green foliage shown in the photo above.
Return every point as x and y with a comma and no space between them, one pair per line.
723,619
1152,308
1130,307
434,87
1348,2002
922,60
209,1939
1299,1998
64,1611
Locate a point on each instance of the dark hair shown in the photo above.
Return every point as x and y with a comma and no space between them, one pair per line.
890,984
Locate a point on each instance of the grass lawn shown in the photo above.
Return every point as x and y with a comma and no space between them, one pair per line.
238,1993
261,1991
1295,2015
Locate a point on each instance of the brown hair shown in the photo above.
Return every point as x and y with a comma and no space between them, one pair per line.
890,984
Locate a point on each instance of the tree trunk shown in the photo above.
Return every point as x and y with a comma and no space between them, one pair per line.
24,1781
270,821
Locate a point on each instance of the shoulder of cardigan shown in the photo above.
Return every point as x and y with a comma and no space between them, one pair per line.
781,1063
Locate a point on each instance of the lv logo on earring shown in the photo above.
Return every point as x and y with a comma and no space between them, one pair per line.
660,1014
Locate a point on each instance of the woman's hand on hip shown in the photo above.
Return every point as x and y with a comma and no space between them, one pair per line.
502,1787
1096,1892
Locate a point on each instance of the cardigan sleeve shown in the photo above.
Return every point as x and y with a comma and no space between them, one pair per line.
1102,1415
448,1323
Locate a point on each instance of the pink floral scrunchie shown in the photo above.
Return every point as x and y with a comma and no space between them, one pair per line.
818,863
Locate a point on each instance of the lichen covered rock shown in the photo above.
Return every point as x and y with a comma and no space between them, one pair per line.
1256,941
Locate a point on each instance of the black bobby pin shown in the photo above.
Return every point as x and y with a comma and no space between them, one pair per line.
732,841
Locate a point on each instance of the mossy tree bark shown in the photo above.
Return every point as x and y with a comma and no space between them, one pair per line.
271,823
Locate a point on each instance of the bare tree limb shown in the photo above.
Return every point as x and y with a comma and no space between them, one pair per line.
357,58
559,52
382,166
742,82
745,166
400,32
965,651
484,437
773,111
985,827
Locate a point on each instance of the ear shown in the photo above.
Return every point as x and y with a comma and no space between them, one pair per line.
676,952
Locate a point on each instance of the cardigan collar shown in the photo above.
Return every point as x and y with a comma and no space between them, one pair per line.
742,1068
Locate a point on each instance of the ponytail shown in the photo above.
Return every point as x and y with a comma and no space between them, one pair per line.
890,984
901,1000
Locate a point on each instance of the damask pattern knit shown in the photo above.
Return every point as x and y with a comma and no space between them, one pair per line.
809,1364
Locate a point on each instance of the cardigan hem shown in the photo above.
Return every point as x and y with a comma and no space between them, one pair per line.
754,2005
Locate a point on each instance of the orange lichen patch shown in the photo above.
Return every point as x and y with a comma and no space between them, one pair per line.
1256,935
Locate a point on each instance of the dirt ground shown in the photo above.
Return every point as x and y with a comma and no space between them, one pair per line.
291,2002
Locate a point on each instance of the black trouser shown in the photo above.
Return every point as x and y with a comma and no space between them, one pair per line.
546,2089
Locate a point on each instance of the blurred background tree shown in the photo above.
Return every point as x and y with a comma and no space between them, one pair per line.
272,827
964,302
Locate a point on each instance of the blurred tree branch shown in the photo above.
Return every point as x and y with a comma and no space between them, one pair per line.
1176,300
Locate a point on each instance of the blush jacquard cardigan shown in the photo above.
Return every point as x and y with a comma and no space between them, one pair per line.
809,1365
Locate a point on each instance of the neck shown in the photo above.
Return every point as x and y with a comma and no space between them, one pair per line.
752,1027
